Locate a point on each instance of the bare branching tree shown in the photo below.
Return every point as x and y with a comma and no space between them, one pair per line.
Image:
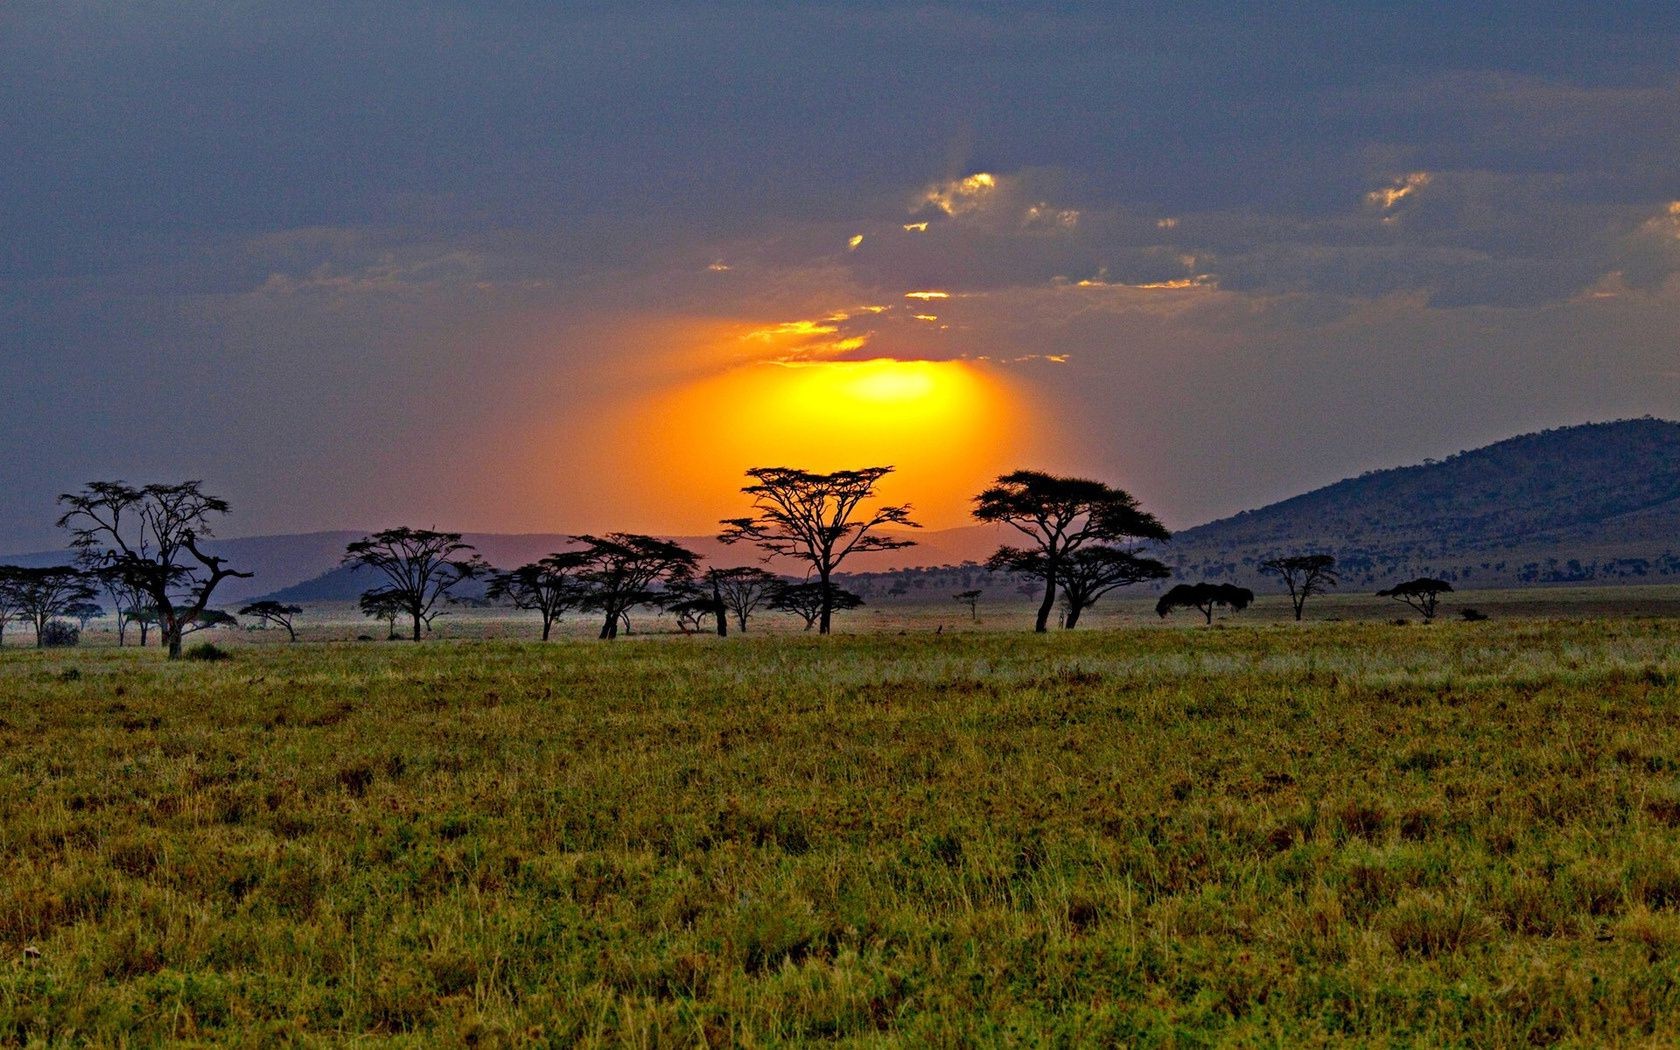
548,586
126,599
818,519
150,536
1060,515
420,568
1304,575
272,613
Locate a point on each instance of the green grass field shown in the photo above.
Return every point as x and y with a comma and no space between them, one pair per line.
1258,834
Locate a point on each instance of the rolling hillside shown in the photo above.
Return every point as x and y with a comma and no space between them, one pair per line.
1594,503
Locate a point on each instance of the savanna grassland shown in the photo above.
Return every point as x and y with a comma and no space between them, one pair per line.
1262,834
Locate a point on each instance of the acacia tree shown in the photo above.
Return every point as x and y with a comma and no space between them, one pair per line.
972,600
1089,573
84,612
1203,597
742,591
1060,515
9,608
420,568
808,600
44,594
147,535
1422,594
622,570
209,619
271,612
382,605
1304,574
818,519
548,586
126,601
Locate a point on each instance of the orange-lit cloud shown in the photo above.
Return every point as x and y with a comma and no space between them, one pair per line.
925,296
961,195
1386,197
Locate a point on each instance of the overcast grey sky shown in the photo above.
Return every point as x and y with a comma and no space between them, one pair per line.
359,264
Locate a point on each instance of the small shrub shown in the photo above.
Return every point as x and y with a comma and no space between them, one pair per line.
207,651
1472,615
60,635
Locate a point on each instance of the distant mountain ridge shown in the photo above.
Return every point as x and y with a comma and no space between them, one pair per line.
1598,502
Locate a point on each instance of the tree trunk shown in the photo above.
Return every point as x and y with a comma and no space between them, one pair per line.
1208,612
416,626
172,638
827,607
1049,603
609,629
720,611
548,623
1073,615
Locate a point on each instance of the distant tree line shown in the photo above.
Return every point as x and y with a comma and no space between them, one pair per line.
1080,540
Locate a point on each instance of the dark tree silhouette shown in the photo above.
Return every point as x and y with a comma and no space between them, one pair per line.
210,619
147,535
278,614
548,586
691,603
1203,597
420,568
44,594
806,600
84,612
1304,575
1091,572
622,570
972,600
10,609
125,599
382,605
146,618
1422,594
1060,515
817,519
742,591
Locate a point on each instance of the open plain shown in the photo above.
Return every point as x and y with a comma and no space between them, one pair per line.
1345,832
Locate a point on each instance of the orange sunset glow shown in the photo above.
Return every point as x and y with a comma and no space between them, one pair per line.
947,426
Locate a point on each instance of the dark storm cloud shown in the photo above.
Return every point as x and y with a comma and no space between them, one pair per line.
313,248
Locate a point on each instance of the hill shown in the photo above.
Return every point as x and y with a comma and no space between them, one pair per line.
1592,503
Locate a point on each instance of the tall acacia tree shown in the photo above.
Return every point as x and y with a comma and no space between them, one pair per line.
149,535
1060,515
622,570
818,519
742,590
1422,594
420,568
272,613
548,586
1304,575
10,608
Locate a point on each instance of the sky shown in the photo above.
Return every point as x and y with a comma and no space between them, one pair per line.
562,267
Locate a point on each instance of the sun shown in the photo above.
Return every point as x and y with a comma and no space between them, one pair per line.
946,426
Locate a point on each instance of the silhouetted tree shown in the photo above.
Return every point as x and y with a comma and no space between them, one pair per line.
44,594
742,590
1304,575
84,612
1088,573
147,535
420,568
691,604
1422,594
548,586
1060,515
146,618
622,570
209,619
10,608
972,600
806,600
279,614
382,605
1203,597
125,599
817,519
